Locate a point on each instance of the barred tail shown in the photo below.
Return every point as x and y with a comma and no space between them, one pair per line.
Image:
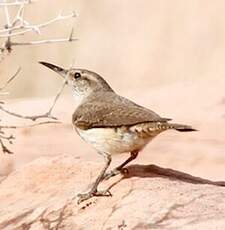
181,128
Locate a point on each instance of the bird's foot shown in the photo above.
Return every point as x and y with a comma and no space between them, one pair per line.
87,195
115,172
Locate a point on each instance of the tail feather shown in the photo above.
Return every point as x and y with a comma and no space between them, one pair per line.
181,128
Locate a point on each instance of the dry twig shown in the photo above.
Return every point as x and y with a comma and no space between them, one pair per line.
9,138
10,79
4,148
48,114
15,3
14,27
28,126
19,26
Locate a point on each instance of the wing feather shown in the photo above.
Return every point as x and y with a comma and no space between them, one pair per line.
112,110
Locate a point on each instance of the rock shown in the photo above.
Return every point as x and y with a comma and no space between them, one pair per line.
6,164
42,195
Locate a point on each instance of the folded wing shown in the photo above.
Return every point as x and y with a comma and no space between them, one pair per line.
112,111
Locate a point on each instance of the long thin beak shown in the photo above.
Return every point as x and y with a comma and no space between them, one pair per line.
62,72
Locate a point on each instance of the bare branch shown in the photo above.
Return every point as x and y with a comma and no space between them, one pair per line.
18,17
9,138
16,3
6,11
19,26
43,41
28,126
4,148
10,79
33,118
59,91
57,96
25,27
69,39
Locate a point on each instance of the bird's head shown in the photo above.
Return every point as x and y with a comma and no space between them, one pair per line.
83,82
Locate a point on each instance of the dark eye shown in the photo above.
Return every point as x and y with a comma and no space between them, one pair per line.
77,75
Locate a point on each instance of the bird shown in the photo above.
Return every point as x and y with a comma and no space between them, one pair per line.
111,123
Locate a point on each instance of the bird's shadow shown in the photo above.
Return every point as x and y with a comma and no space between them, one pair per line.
138,170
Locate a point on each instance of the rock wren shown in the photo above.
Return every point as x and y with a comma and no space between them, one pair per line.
111,123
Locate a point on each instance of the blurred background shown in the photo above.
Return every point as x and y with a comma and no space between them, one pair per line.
166,55
133,44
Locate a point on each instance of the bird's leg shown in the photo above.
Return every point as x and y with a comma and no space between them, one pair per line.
120,168
93,191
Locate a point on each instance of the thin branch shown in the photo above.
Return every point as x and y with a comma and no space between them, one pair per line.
60,90
43,41
69,39
27,28
28,126
10,79
6,10
4,148
71,35
19,26
57,96
6,45
9,138
18,17
62,87
16,3
33,118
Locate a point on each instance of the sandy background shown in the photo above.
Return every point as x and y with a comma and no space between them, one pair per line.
134,44
166,55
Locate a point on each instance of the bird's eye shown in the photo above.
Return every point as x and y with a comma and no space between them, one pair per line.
77,75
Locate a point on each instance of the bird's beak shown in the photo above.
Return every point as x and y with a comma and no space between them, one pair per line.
62,72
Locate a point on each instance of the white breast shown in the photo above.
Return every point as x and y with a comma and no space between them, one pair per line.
113,140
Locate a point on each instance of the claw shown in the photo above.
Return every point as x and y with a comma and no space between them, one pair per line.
85,196
103,193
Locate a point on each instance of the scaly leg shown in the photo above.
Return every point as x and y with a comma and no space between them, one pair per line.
119,168
93,191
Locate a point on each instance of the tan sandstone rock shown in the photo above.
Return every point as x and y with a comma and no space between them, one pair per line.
42,195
